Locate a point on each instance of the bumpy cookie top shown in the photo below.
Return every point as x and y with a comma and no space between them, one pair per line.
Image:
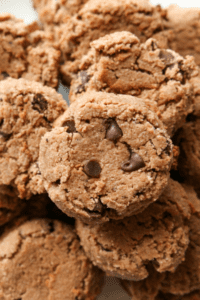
158,235
27,52
186,277
98,18
27,109
119,63
47,262
108,157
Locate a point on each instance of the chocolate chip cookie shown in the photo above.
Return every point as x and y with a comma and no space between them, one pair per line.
47,262
108,157
27,110
158,235
27,52
98,18
119,63
185,281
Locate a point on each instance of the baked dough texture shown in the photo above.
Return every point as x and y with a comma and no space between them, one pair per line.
158,235
47,262
27,111
119,63
107,157
27,52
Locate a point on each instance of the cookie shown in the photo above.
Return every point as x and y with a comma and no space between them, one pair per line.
10,205
107,157
119,63
54,13
98,18
158,235
188,139
27,110
186,278
27,52
185,23
47,262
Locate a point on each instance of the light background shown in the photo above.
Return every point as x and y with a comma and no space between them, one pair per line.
23,9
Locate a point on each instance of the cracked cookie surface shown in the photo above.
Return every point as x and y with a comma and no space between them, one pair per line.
107,157
27,52
98,18
119,63
47,262
185,281
27,110
158,235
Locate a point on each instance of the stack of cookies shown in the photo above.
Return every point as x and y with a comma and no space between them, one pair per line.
110,184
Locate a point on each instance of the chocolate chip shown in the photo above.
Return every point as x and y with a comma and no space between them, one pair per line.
5,75
39,103
92,168
71,126
134,163
113,131
1,122
84,79
166,56
6,136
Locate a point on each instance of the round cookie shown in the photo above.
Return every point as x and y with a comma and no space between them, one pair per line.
27,52
27,110
119,63
10,204
47,262
98,18
186,278
158,235
108,157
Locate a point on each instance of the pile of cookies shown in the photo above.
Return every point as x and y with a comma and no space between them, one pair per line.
110,184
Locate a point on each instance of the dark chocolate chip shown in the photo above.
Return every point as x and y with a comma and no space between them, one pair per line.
1,122
113,131
134,163
166,56
92,168
71,126
6,136
39,103
5,75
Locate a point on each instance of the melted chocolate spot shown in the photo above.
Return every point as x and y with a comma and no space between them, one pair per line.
113,131
134,163
39,103
1,122
92,168
6,136
71,126
166,56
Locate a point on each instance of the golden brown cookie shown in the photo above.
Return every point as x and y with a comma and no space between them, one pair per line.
47,262
119,63
158,235
108,157
27,111
27,52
